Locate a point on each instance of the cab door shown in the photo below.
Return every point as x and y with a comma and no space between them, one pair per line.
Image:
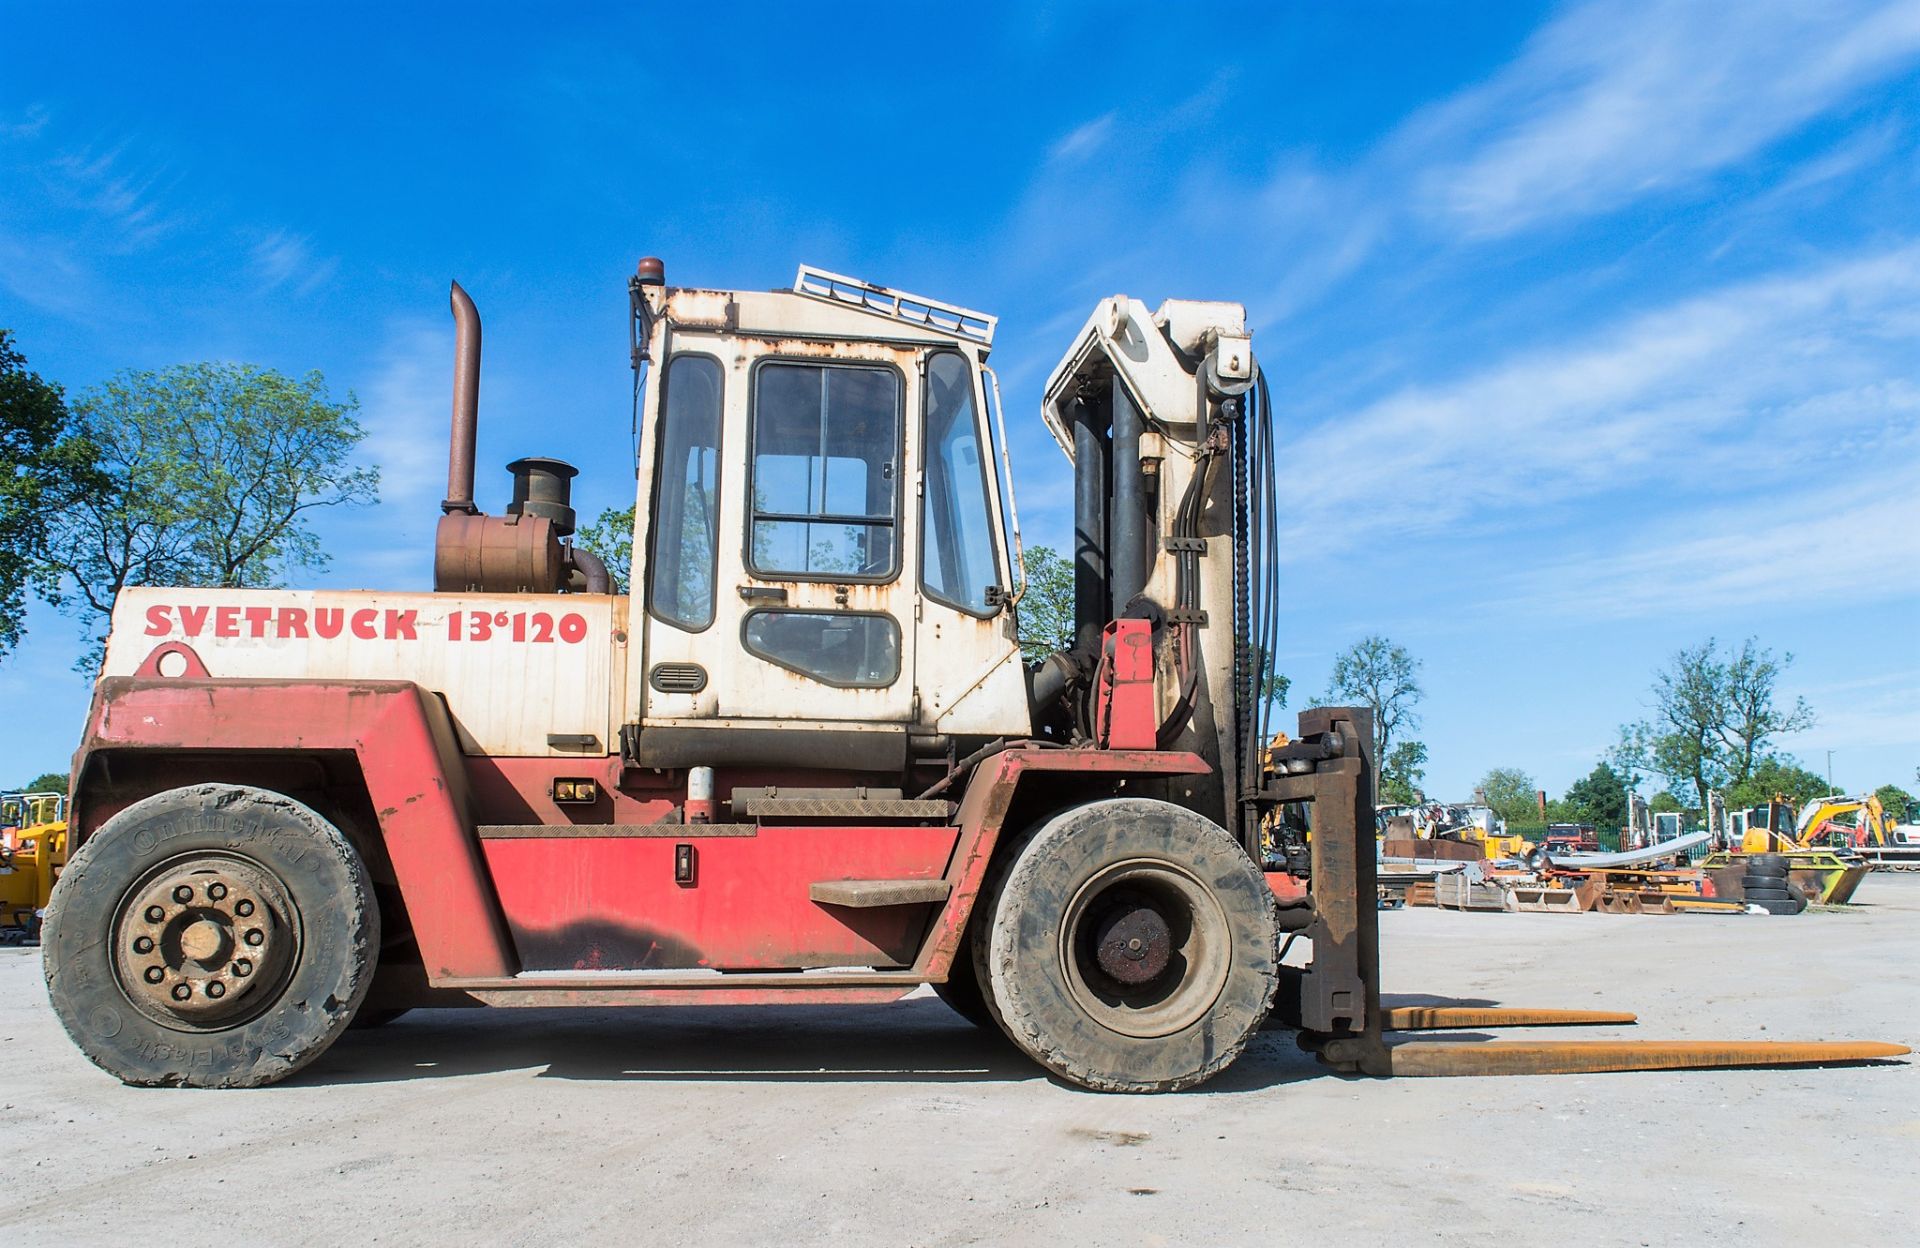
779,561
971,681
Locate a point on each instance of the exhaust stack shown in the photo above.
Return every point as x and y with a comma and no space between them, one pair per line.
466,404
516,553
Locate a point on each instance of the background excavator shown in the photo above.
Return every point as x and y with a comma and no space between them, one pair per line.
1859,824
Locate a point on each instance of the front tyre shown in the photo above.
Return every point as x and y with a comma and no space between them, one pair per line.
1131,947
213,936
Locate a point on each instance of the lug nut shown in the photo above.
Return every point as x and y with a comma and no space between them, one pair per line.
243,968
243,907
181,992
143,945
155,914
216,990
183,894
216,891
255,935
155,974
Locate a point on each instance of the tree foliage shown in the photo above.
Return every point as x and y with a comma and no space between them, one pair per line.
1402,772
207,476
611,537
1897,802
1776,777
1512,794
1754,717
42,465
1716,718
1599,798
1376,673
1046,609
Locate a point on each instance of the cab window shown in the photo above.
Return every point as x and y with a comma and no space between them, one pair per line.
824,494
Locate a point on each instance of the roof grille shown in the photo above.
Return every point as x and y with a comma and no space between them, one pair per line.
896,305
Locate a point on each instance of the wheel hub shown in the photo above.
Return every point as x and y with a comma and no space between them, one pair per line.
1144,947
1133,943
195,942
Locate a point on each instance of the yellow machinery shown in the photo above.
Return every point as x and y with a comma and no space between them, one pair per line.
1859,824
1470,824
1826,875
33,850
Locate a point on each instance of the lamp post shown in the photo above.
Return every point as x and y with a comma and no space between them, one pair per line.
1830,788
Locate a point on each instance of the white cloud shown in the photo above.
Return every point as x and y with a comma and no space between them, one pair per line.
282,258
405,411
1083,140
32,120
1739,386
1621,98
121,186
1880,714
1861,532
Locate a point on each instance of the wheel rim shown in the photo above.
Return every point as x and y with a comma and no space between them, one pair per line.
1144,948
205,943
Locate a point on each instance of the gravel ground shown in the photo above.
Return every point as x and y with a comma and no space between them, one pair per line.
903,1125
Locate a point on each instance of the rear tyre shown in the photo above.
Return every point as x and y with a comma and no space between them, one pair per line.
962,991
1131,947
213,936
1762,892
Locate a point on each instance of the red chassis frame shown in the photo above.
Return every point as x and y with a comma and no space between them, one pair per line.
466,914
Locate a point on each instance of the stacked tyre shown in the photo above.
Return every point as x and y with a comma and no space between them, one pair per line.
1766,885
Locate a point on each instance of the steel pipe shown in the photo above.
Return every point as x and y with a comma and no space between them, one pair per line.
466,404
1131,525
1090,600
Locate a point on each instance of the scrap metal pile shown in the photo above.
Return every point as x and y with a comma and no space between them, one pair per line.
1656,880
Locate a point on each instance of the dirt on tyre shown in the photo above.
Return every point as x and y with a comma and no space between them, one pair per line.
1130,947
213,936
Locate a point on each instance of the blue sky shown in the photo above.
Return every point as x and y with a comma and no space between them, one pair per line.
1595,327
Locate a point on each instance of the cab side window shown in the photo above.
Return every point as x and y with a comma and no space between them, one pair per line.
685,533
958,565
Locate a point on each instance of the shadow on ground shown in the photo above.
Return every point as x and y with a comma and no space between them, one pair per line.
913,1041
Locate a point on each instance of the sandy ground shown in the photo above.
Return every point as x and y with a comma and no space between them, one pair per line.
903,1125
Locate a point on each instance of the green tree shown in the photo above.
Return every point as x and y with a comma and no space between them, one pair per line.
208,475
1896,801
1045,613
1561,810
1753,715
42,465
611,537
1600,798
1773,777
1512,794
1376,673
1402,772
1665,802
1715,719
